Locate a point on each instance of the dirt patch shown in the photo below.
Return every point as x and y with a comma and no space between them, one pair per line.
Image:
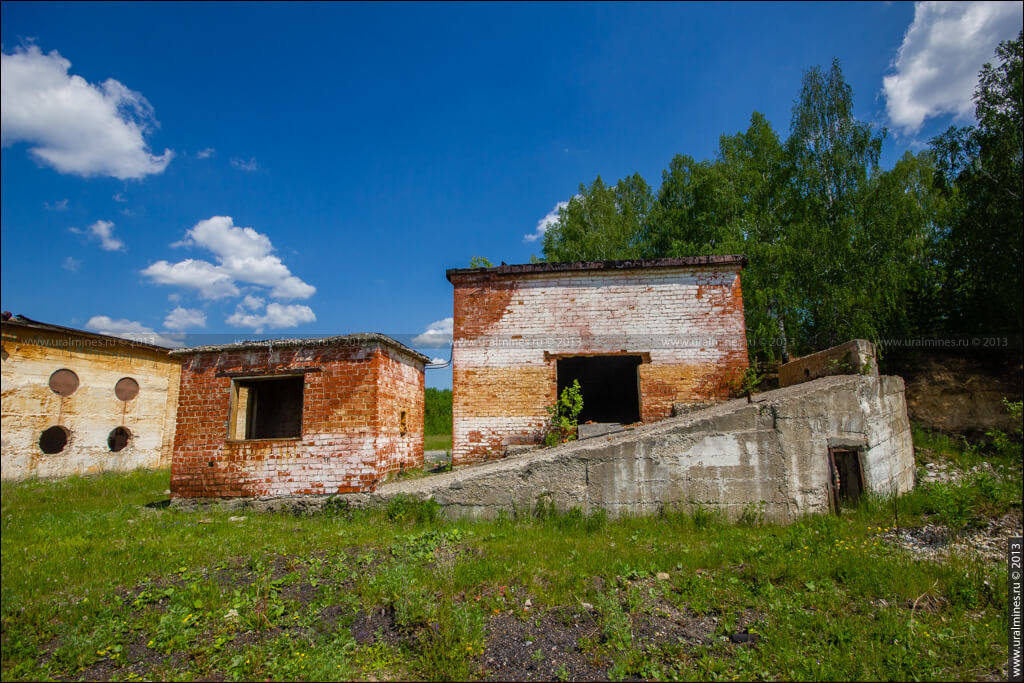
664,623
565,643
301,591
376,625
135,658
542,648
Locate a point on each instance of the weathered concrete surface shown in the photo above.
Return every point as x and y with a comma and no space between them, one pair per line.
32,352
853,357
774,450
589,431
730,456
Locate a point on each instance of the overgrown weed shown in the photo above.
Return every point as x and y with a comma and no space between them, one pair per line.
96,585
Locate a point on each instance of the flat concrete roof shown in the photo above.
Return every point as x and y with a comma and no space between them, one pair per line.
360,339
629,264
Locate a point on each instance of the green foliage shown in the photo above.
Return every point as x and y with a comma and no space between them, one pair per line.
423,545
990,487
601,222
1005,445
747,383
752,514
837,247
704,517
96,586
437,442
480,262
980,168
403,508
446,647
437,411
564,415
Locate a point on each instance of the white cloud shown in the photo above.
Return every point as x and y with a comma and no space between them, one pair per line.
206,153
71,263
250,166
184,318
62,205
438,361
936,68
253,303
243,255
221,236
544,223
204,277
119,197
75,126
104,232
438,333
130,329
276,316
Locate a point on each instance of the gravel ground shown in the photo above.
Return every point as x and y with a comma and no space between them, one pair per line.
937,542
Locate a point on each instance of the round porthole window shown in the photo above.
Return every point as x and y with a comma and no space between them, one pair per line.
53,440
118,439
126,389
63,382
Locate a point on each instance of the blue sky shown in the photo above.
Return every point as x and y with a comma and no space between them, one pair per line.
313,169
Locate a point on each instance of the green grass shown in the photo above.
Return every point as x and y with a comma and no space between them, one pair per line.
437,442
95,585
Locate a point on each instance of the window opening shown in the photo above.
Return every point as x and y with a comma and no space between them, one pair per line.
53,440
267,408
63,382
126,389
118,439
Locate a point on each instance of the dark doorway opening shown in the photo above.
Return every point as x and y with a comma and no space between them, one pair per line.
847,476
274,409
609,386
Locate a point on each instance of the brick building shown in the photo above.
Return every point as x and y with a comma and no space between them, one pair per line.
78,402
308,416
638,335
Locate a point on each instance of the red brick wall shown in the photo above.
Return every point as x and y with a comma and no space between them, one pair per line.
400,387
346,419
687,322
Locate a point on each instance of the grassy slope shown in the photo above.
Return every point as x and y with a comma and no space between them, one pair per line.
437,442
95,586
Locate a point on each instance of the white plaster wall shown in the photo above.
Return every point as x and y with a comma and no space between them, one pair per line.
90,413
679,316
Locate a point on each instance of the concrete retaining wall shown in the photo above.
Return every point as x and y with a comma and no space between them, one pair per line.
852,358
737,454
773,450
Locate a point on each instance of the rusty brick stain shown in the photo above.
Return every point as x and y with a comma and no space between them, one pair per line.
478,308
500,392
